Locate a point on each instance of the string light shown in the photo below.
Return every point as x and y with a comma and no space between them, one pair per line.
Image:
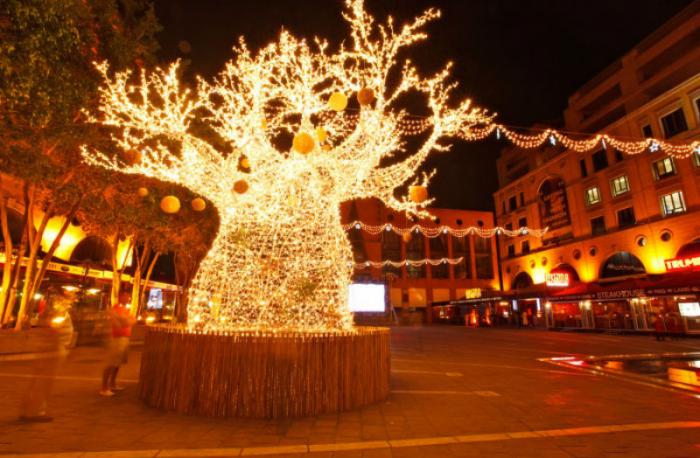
536,140
408,263
281,260
432,232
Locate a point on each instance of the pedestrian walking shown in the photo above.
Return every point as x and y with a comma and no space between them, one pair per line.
659,328
118,347
53,336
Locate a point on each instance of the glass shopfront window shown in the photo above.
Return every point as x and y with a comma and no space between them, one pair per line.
613,315
567,315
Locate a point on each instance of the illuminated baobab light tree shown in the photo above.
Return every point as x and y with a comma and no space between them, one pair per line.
281,260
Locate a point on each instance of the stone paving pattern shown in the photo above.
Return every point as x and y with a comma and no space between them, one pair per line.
446,381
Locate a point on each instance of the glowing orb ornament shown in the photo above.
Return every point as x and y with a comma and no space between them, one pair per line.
418,194
198,204
132,156
337,101
170,204
142,192
240,186
365,96
303,143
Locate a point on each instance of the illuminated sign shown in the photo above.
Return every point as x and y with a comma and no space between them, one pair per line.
689,309
472,293
557,279
367,297
676,264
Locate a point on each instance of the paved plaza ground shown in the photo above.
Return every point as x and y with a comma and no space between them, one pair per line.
455,392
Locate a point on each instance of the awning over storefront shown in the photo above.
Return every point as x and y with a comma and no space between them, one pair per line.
656,285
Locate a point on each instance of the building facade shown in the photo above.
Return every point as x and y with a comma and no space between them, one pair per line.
412,291
624,230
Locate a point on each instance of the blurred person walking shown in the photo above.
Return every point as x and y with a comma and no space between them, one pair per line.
118,347
53,336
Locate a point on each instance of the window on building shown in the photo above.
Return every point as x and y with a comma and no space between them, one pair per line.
593,195
512,203
509,226
511,251
525,246
522,222
674,123
522,199
619,185
460,249
438,250
664,168
697,107
600,160
584,170
672,203
625,217
504,207
618,156
646,131
415,250
598,225
391,251
696,158
483,257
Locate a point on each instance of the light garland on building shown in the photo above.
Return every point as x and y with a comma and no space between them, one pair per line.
408,263
416,125
280,261
432,232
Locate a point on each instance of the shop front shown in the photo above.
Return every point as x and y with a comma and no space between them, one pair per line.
629,305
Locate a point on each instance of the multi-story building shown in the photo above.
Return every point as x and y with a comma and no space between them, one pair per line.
412,290
623,245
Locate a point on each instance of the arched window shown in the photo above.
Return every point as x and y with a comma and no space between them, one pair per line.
622,264
92,250
521,281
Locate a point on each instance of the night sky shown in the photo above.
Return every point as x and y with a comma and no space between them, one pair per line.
519,58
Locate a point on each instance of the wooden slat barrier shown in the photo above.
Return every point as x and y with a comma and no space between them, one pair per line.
264,376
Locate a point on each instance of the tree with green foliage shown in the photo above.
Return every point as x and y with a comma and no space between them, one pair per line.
47,79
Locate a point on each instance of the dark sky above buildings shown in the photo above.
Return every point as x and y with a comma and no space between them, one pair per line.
519,58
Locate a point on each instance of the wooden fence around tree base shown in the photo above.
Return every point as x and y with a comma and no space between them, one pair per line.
264,376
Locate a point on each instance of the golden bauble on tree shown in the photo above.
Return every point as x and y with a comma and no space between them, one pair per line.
240,186
170,204
365,96
337,101
198,204
132,157
142,192
418,194
303,143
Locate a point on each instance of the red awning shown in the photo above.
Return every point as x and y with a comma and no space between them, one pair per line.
676,283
